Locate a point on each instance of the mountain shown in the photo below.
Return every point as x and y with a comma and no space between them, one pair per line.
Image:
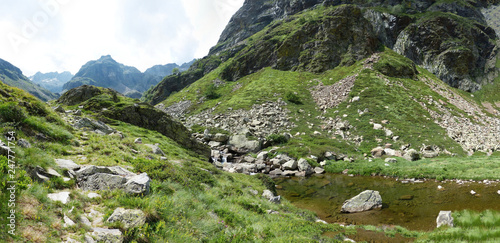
451,39
53,81
106,72
13,76
329,69
152,76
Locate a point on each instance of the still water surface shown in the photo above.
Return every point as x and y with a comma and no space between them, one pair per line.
412,205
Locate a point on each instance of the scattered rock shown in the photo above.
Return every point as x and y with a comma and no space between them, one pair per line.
290,165
138,185
93,125
59,109
65,164
330,156
105,235
95,178
377,152
23,143
319,170
472,192
411,155
262,155
377,126
243,145
85,221
444,218
92,195
68,222
268,194
156,149
78,113
59,197
391,160
221,138
130,218
276,200
365,201
138,141
304,166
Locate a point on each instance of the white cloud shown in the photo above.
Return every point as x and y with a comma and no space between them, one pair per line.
60,35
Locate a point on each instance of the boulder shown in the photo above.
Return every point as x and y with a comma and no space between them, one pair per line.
267,194
59,109
65,164
262,155
391,160
105,235
93,125
60,197
67,221
130,218
377,152
330,156
411,155
276,200
95,178
444,218
23,143
221,138
304,166
138,141
85,221
377,126
365,201
242,144
156,149
138,184
319,170
290,165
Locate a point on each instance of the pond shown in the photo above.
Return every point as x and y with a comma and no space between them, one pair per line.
413,205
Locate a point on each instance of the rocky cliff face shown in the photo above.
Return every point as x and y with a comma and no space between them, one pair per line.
13,76
449,38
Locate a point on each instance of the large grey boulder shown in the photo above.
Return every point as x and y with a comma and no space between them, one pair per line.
365,201
108,178
102,181
444,218
304,166
104,235
130,218
242,144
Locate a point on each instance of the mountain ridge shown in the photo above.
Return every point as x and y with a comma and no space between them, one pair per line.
13,76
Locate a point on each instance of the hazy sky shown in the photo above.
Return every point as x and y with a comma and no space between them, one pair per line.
62,35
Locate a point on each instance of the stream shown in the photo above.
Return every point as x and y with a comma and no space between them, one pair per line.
413,205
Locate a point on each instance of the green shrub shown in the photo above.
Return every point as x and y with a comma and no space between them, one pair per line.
276,139
11,112
211,92
293,98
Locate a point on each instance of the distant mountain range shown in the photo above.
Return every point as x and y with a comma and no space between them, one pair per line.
106,72
13,76
52,81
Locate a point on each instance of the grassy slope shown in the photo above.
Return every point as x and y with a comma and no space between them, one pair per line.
30,87
191,201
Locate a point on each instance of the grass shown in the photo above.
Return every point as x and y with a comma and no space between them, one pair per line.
475,167
470,226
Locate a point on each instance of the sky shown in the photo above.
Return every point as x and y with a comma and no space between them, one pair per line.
63,35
